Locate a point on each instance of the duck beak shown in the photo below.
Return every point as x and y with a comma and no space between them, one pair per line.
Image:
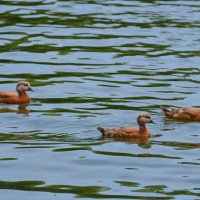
151,121
30,89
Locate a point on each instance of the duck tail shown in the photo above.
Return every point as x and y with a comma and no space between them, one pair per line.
165,109
169,112
102,130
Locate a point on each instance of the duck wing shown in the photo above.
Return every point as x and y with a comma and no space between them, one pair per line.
189,114
7,94
8,97
122,131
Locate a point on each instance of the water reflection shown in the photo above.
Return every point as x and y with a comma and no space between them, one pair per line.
79,191
181,145
22,109
141,142
15,136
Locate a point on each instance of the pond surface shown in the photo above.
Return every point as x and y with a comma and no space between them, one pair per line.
96,63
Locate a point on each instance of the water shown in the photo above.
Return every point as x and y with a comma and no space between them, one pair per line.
99,62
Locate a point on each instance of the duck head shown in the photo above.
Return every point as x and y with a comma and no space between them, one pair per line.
23,86
143,119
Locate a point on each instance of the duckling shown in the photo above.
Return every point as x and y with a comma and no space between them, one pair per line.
16,97
189,114
130,131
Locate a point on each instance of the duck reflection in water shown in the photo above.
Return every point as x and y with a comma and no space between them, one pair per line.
22,109
141,142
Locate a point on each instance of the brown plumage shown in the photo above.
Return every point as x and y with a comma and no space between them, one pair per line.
130,131
16,97
190,114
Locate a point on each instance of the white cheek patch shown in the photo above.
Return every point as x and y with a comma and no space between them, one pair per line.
142,120
21,88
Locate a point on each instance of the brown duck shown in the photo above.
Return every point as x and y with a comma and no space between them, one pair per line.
130,131
16,97
190,114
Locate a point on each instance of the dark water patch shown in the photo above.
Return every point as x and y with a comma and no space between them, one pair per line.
90,141
24,3
153,188
155,85
98,100
128,184
37,140
72,149
38,186
146,155
112,86
183,192
79,191
189,163
35,147
144,108
177,92
58,111
8,159
107,81
31,76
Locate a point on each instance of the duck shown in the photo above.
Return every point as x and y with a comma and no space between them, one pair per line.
187,114
18,97
130,131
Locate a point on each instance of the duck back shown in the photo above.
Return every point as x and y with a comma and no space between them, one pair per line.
13,97
124,131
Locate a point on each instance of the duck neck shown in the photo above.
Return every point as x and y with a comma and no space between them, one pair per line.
142,129
23,94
